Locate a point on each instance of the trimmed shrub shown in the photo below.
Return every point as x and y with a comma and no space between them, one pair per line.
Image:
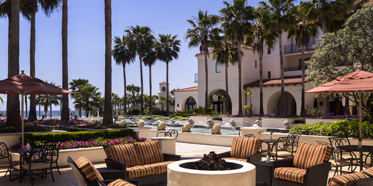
341,128
79,136
299,121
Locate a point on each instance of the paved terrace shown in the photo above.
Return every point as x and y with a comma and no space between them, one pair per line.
67,177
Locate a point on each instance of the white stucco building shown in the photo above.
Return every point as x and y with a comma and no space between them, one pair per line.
250,81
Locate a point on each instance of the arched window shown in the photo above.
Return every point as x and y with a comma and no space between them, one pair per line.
218,67
190,103
163,89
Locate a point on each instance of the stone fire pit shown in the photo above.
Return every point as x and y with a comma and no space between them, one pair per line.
182,173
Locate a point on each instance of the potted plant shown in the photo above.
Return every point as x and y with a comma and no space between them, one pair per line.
268,156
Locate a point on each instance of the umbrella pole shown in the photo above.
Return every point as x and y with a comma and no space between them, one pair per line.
361,133
23,126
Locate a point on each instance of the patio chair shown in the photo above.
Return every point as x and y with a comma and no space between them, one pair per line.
284,147
6,160
244,149
295,143
39,159
310,166
249,135
363,178
344,157
87,175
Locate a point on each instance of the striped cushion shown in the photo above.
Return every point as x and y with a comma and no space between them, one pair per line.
125,153
149,152
243,147
347,179
89,171
147,170
107,152
244,160
120,182
310,154
160,167
368,172
290,174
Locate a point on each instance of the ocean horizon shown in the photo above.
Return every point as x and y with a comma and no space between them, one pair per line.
55,113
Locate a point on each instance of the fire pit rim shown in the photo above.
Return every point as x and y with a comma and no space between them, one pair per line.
245,167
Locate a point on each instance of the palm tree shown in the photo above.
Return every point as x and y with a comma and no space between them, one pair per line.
134,90
261,34
204,25
39,102
236,24
123,55
224,53
75,88
141,41
115,100
53,100
13,117
302,30
149,60
65,70
168,50
108,113
280,11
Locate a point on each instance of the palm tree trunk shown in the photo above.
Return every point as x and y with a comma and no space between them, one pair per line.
239,78
108,117
282,101
206,83
65,69
26,106
50,113
45,110
125,85
150,86
32,116
142,87
226,88
80,112
347,106
168,104
13,117
302,110
261,112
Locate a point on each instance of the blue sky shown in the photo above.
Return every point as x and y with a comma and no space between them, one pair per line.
86,41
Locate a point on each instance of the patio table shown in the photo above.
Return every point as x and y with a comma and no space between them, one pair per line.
364,148
269,142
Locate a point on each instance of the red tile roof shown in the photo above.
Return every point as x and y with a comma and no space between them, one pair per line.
271,82
163,83
187,89
210,51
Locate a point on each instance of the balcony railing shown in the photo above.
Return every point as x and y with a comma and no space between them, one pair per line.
291,49
196,78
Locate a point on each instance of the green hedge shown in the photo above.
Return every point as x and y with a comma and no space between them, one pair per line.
79,136
341,128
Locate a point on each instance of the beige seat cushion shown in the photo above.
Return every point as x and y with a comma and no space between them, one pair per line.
36,166
237,159
7,164
340,163
281,153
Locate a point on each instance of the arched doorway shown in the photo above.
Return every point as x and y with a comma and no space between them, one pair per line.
190,103
336,107
218,100
274,104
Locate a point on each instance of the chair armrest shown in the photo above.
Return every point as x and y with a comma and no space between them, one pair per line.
317,174
113,164
365,182
257,157
225,154
283,163
171,157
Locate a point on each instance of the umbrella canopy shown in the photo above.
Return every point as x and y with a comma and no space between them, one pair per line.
358,81
24,84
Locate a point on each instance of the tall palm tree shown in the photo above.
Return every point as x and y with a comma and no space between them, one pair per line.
29,10
75,88
53,100
39,103
65,69
141,41
13,117
236,24
224,53
260,37
281,12
114,99
122,56
204,25
168,50
302,29
108,113
134,90
149,60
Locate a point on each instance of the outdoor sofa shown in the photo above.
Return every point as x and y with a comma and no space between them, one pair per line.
244,149
310,166
143,161
363,178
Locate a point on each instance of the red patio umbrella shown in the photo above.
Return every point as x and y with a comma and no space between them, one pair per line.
26,85
358,81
